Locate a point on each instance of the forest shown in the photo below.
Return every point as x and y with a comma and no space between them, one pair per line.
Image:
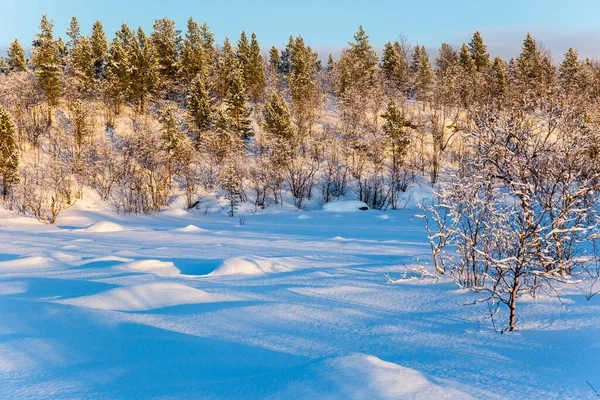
511,147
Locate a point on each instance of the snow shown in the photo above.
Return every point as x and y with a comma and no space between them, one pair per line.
104,226
345,206
335,305
145,297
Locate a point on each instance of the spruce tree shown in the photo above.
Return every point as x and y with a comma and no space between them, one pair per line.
423,79
394,66
81,63
74,34
255,76
200,105
284,63
144,74
529,66
9,156
274,59
569,69
499,77
46,61
210,51
166,43
446,61
227,62
16,57
99,48
277,119
236,100
303,87
192,52
478,52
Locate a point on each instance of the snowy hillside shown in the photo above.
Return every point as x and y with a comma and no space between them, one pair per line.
289,305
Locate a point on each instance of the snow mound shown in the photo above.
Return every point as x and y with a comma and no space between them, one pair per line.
157,267
105,226
254,265
191,229
145,297
174,212
345,206
304,216
27,263
362,376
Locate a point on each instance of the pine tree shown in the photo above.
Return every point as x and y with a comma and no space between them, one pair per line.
303,87
166,43
74,33
529,67
9,156
446,61
236,103
119,66
394,127
99,48
210,51
200,105
274,59
255,75
465,60
144,74
330,63
227,62
569,69
46,61
359,66
81,63
192,52
277,120
394,66
499,77
16,57
284,63
423,79
478,52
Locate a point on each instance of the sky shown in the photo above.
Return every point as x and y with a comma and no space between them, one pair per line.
328,25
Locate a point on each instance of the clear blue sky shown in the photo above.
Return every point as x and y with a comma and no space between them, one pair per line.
329,25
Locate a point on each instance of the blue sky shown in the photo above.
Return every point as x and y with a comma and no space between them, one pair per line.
329,25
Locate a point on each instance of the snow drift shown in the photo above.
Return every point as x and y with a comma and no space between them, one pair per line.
146,296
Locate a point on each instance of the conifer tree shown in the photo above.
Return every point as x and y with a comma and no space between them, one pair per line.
81,63
284,63
358,66
423,79
330,63
9,156
274,59
74,34
255,75
529,67
192,52
46,61
144,73
478,52
446,61
236,100
569,69
200,104
99,47
394,66
16,57
210,51
394,127
303,87
277,120
499,77
166,43
227,62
